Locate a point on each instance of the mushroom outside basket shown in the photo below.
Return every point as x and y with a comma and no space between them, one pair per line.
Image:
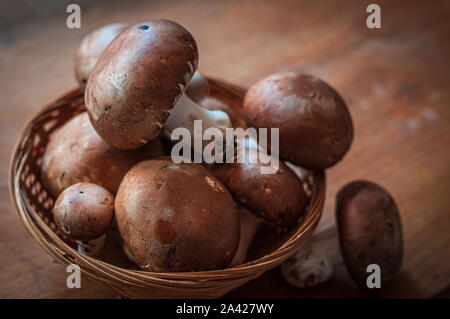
33,205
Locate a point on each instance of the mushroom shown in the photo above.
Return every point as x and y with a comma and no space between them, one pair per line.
277,198
176,217
129,103
76,153
83,212
314,123
92,47
368,232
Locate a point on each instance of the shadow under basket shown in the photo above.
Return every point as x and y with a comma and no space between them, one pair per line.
33,204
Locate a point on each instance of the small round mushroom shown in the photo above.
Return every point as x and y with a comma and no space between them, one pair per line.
83,211
92,47
176,217
76,153
315,126
368,232
139,81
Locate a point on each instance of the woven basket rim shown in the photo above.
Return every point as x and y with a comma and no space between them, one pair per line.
114,275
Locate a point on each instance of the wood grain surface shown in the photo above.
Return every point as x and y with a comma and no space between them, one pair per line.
395,80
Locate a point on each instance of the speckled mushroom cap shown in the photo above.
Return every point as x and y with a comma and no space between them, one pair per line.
76,153
277,198
83,211
315,125
92,47
370,230
176,217
138,79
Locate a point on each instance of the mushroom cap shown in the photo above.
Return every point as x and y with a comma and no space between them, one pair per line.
370,230
176,217
137,80
92,47
314,123
83,211
76,153
277,198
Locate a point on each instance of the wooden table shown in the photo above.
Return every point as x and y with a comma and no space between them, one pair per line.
395,80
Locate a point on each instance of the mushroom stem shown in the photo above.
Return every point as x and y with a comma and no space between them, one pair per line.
198,88
314,263
249,226
186,111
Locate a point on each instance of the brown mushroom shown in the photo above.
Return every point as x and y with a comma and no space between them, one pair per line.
75,153
368,232
277,198
315,126
83,211
138,81
176,217
92,47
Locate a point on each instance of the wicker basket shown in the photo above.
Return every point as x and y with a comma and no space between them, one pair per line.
33,205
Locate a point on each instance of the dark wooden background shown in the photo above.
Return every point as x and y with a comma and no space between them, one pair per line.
395,80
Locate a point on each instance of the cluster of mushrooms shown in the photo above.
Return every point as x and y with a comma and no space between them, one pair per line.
114,181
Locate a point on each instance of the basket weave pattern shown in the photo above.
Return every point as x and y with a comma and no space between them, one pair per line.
33,205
